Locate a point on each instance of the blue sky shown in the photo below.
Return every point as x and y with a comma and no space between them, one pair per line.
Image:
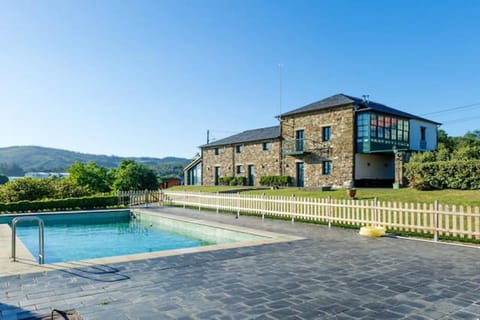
149,78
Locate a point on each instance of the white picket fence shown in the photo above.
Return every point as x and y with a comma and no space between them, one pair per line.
435,219
137,198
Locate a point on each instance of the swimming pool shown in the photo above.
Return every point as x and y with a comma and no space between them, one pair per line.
84,236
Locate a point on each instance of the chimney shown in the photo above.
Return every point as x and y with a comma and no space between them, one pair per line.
366,99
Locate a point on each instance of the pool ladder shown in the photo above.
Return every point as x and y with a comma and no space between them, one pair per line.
41,246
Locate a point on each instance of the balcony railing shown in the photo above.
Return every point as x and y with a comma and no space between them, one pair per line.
295,147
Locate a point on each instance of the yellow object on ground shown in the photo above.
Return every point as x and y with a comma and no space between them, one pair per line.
372,231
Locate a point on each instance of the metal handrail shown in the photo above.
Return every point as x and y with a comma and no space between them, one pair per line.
41,251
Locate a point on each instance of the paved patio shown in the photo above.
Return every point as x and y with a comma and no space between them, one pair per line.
332,274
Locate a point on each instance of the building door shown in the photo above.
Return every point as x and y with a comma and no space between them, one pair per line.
299,174
251,175
217,175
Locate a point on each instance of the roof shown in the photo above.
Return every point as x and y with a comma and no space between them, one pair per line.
193,163
247,136
343,99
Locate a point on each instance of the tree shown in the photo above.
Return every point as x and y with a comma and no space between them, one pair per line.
170,169
3,179
471,139
91,175
67,188
133,176
444,140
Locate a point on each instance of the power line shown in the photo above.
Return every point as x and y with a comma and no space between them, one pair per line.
461,119
453,108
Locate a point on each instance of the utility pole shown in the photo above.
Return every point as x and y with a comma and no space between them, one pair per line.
280,66
282,160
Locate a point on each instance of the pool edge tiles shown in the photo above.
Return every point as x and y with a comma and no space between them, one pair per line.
259,233
30,265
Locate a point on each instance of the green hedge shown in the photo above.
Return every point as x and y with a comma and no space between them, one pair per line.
454,174
276,181
95,202
232,181
225,181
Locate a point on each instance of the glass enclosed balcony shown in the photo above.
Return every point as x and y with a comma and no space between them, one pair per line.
379,133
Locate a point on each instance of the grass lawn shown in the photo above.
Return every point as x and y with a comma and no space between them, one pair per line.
451,197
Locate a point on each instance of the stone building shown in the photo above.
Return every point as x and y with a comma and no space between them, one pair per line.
250,154
333,142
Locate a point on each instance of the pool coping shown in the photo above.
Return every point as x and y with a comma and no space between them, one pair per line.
26,263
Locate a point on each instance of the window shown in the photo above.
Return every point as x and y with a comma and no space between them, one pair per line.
240,169
387,129
217,151
326,132
266,146
327,167
239,148
362,126
373,125
299,140
380,126
406,130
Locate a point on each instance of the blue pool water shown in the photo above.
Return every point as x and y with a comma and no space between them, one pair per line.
90,235
88,241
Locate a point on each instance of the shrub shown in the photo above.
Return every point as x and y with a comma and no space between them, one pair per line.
453,174
232,181
275,181
240,181
26,189
31,189
95,202
225,181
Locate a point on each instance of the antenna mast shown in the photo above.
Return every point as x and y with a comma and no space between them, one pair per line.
280,66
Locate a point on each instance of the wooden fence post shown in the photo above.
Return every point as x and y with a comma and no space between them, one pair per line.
238,205
217,202
375,210
292,207
329,212
263,206
435,221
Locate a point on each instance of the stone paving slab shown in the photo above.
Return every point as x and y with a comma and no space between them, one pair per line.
331,274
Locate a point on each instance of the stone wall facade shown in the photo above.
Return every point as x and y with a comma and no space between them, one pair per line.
264,162
224,160
340,149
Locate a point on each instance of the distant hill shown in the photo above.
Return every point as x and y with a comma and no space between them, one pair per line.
33,158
